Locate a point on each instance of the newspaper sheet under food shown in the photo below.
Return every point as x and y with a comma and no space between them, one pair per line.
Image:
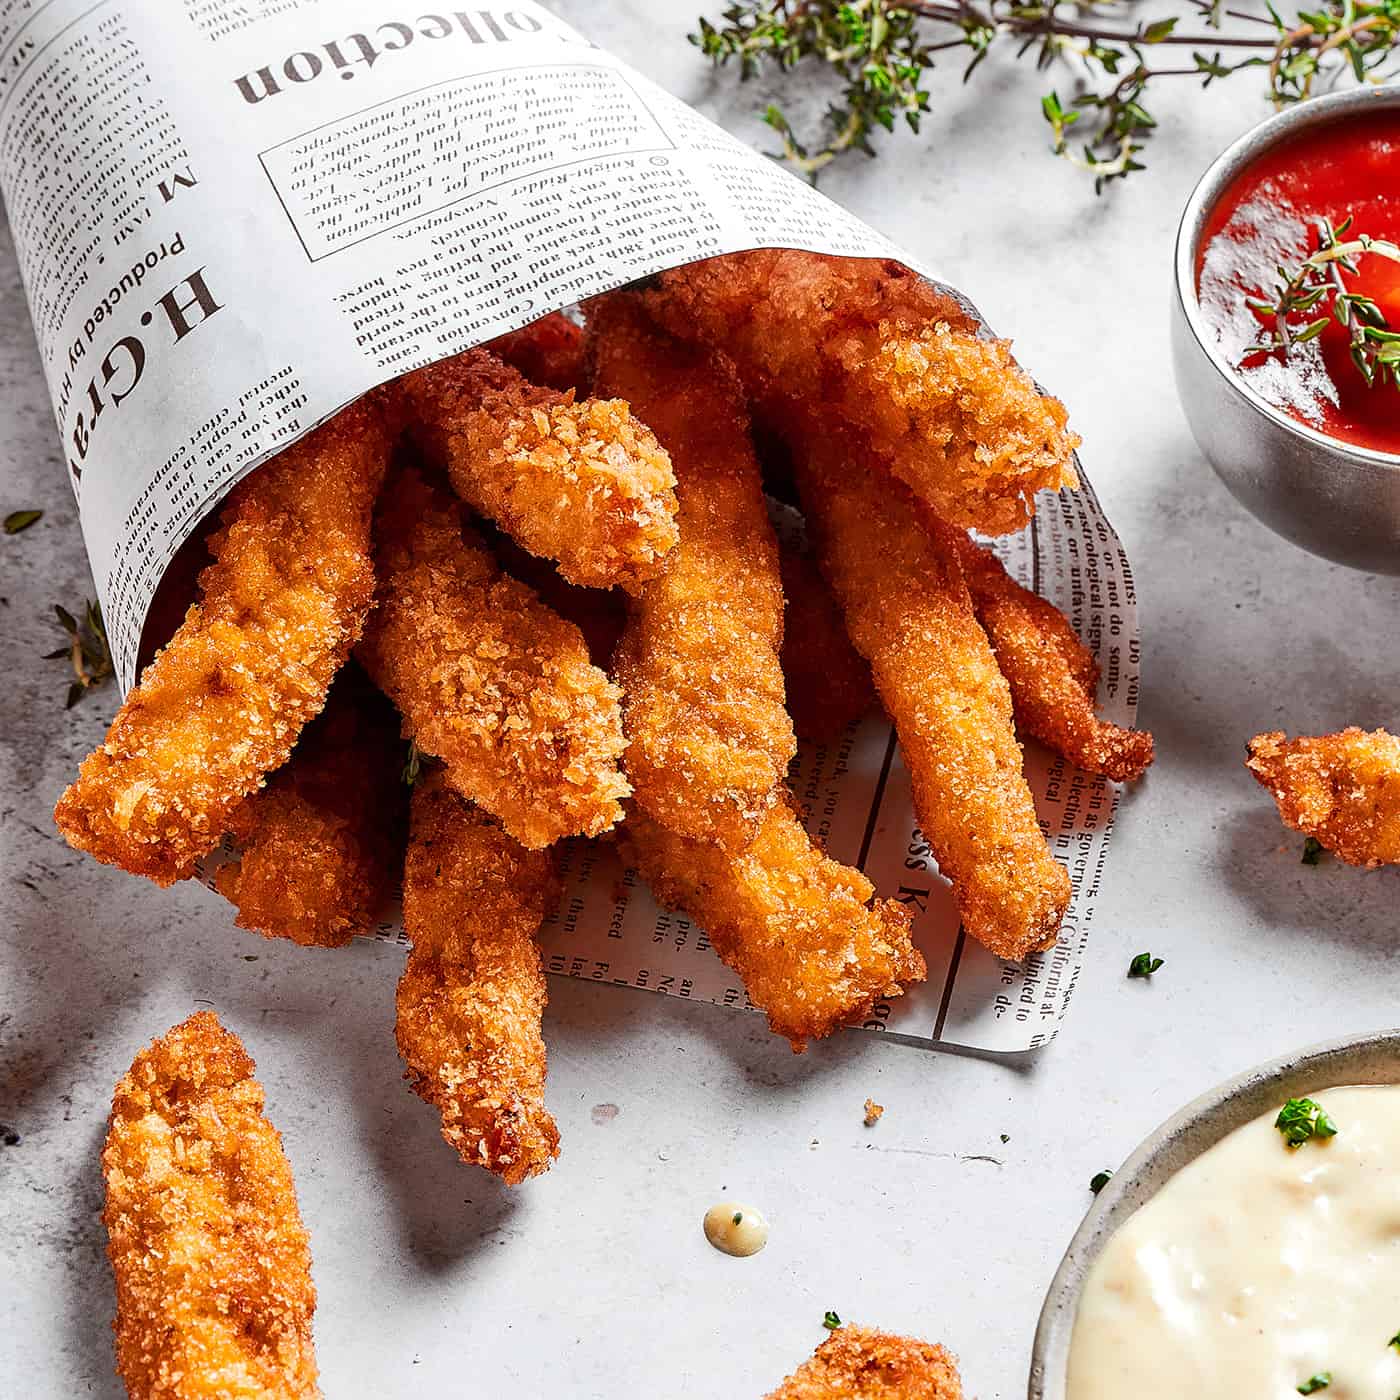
233,217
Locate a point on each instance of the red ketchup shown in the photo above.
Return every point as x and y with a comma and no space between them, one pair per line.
1269,216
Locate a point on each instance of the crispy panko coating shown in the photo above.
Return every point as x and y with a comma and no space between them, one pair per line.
859,1363
814,952
1053,676
909,613
548,351
223,703
473,991
582,483
894,360
1342,789
212,1262
321,846
709,738
829,685
487,678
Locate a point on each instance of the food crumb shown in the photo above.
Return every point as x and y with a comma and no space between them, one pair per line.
873,1111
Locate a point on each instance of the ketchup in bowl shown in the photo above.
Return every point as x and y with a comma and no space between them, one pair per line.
1269,216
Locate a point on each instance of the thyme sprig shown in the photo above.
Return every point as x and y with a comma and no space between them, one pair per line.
1316,284
87,650
880,54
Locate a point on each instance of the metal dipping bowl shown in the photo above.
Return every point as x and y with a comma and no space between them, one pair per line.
1330,497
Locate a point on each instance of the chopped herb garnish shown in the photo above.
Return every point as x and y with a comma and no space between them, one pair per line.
738,1216
1144,965
413,764
1312,851
1099,1180
1320,1381
18,520
1005,1137
1301,1119
1394,1341
87,650
830,1320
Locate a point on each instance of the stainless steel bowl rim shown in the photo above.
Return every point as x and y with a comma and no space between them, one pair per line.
1233,161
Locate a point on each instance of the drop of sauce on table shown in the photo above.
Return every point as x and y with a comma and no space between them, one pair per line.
735,1229
1269,215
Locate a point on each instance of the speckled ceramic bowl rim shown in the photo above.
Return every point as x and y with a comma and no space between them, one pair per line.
1370,1058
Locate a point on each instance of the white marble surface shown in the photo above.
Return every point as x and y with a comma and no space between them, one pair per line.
595,1280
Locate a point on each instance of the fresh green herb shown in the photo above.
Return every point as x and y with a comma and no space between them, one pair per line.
1394,1341
87,651
1099,1180
879,54
413,764
18,520
1301,1119
830,1320
1312,851
1144,965
1314,1383
1316,284
738,1216
1005,1137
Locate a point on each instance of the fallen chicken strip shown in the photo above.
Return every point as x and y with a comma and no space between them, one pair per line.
1341,789
709,738
487,678
909,613
211,1260
223,703
321,846
859,1363
473,991
583,483
1053,676
812,949
895,361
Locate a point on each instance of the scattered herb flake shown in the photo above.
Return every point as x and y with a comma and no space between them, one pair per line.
1005,1137
1320,1381
18,520
1301,1119
1394,1341
413,764
1312,851
738,1216
1099,1180
830,1320
87,651
1144,965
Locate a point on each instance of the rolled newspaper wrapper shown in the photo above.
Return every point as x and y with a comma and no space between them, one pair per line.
234,217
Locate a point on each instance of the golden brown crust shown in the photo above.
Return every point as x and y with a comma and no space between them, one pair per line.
709,738
321,846
488,678
909,613
548,351
223,703
814,952
212,1262
473,991
1052,674
895,361
859,1363
583,483
1341,789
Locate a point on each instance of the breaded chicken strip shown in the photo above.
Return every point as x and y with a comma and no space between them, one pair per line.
548,351
222,704
814,952
583,483
321,846
1052,674
899,364
473,992
212,1262
828,681
909,613
709,738
859,1363
487,678
1342,789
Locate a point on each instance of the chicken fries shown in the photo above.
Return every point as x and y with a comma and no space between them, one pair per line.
473,991
548,351
859,1363
212,1263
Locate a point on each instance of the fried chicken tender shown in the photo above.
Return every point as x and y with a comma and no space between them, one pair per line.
487,678
1053,676
800,929
548,351
828,681
897,362
909,613
321,846
473,991
212,1262
709,738
1341,789
859,1363
582,483
223,703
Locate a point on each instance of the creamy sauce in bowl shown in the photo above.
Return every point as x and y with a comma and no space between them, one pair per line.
1260,1271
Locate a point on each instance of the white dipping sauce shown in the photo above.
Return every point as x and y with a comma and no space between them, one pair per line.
1255,1268
734,1228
